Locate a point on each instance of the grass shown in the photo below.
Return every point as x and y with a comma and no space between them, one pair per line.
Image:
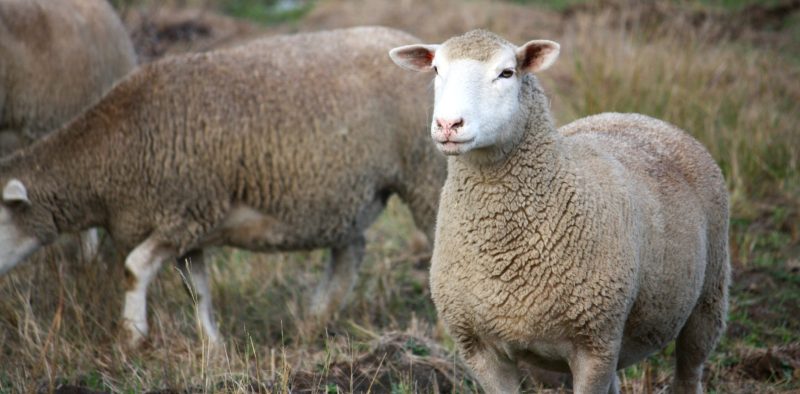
267,11
739,4
735,91
557,5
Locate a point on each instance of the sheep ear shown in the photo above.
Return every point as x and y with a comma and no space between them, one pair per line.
537,55
15,192
414,57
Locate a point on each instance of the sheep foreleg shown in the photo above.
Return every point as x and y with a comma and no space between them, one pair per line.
594,373
495,372
141,266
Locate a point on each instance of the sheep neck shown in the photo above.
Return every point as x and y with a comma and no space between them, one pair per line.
535,186
536,162
535,147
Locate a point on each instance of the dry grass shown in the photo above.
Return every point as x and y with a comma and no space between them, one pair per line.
741,102
694,66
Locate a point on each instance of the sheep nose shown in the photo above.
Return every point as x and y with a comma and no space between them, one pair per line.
450,126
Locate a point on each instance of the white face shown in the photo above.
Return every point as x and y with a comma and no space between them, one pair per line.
15,246
475,102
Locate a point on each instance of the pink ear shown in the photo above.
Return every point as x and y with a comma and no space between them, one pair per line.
414,57
537,55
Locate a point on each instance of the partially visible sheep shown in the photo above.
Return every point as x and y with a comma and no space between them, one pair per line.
583,250
287,143
56,58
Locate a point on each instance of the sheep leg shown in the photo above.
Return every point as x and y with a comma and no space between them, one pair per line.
705,325
195,274
594,373
495,372
141,266
695,342
338,280
90,244
615,385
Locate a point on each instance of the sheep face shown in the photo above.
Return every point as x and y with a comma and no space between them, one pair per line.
478,81
16,240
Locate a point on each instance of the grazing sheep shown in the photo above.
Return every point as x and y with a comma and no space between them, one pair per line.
56,59
286,143
582,250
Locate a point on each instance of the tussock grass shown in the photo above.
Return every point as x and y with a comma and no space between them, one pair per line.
734,90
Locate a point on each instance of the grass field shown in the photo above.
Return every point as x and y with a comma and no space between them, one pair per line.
726,71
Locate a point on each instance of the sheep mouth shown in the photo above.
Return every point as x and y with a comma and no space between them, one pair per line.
449,147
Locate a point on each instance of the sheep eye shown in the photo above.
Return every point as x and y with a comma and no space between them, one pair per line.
436,70
507,73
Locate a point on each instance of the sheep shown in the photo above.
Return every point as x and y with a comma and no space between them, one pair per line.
579,250
56,58
282,144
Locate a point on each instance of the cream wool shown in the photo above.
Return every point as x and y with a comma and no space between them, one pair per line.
581,250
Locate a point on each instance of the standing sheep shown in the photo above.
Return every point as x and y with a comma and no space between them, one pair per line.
582,250
56,59
286,143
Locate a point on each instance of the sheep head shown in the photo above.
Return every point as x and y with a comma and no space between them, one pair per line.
19,221
479,77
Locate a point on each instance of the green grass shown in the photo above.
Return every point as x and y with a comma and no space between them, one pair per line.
267,12
558,5
739,4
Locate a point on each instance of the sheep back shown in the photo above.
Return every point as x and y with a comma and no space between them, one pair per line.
305,136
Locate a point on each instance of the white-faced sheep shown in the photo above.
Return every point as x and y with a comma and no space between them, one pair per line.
286,143
56,59
581,250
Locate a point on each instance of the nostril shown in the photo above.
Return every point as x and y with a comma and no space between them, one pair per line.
449,124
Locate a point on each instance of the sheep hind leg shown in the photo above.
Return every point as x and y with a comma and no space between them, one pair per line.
195,275
141,266
495,372
338,280
694,344
706,324
615,385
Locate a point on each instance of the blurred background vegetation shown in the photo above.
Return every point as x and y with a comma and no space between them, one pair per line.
727,71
